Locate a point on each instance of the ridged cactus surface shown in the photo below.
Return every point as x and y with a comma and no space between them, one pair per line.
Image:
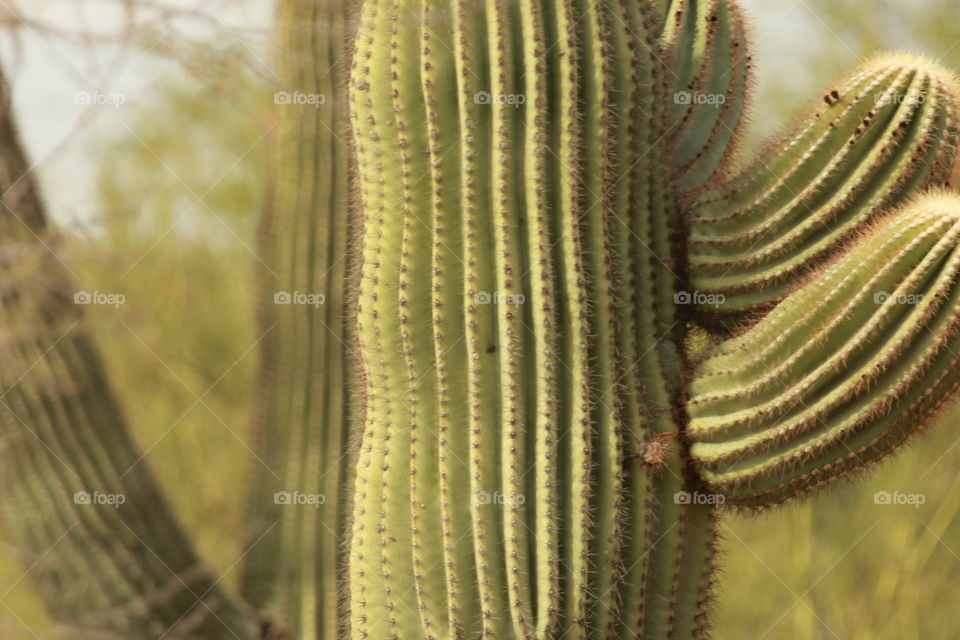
884,133
526,329
299,502
549,210
518,327
842,371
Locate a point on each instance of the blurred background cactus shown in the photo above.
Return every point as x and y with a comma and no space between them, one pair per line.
273,555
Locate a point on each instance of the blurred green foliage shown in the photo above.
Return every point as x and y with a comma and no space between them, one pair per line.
181,195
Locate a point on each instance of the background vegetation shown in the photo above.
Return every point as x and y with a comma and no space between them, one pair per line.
178,196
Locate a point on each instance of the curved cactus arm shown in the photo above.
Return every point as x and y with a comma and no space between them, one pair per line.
843,371
705,44
876,139
80,503
298,506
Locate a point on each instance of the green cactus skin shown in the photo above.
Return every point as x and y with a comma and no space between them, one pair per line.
842,372
292,569
706,43
126,571
520,356
516,308
884,133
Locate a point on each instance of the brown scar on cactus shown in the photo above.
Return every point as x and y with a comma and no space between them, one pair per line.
655,451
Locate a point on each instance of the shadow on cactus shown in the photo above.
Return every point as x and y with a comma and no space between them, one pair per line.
581,333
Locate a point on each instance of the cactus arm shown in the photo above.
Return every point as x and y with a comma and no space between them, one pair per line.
864,358
706,45
302,421
126,569
891,131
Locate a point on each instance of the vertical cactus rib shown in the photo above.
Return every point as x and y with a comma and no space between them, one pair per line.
399,80
659,225
648,383
303,420
615,602
542,288
607,238
575,440
823,411
416,336
690,608
512,335
890,131
369,606
439,72
483,352
120,569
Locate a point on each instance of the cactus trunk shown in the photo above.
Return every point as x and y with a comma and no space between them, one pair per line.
517,369
81,505
293,571
547,210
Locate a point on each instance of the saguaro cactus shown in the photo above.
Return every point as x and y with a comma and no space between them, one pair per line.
580,332
294,568
549,215
81,506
